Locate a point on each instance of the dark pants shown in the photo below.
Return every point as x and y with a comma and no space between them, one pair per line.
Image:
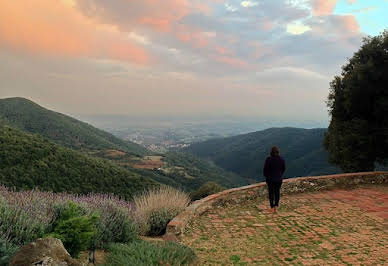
274,192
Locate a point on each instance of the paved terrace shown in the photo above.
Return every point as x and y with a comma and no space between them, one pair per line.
337,219
338,227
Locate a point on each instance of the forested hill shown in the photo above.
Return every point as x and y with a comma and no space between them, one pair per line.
62,129
245,154
30,161
198,171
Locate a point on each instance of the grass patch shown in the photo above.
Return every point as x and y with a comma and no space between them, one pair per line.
142,253
156,207
290,258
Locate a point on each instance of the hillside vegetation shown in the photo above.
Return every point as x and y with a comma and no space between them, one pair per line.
62,129
198,171
245,154
29,161
183,170
177,169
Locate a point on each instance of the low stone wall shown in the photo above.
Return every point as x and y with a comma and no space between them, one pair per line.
290,186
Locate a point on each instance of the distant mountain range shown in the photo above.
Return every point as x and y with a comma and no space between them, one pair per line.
43,149
62,129
245,154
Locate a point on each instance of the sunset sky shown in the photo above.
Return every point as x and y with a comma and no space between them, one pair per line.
247,58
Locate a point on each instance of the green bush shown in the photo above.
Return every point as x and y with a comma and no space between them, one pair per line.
6,251
142,253
205,190
158,221
74,228
114,226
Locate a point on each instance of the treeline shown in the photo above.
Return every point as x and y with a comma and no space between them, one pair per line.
30,161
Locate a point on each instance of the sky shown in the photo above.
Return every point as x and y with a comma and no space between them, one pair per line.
267,58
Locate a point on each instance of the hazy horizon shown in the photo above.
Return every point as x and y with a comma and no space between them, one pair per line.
266,59
112,121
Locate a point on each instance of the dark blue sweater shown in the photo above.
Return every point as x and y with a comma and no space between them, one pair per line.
274,168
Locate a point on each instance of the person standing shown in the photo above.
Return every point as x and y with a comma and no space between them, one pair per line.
273,171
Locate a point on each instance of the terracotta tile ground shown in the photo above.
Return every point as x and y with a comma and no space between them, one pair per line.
337,227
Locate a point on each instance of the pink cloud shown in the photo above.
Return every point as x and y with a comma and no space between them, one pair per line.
159,24
52,27
349,24
259,50
127,52
128,14
337,26
232,61
193,36
223,51
266,25
323,7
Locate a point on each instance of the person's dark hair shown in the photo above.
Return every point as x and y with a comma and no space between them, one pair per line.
275,151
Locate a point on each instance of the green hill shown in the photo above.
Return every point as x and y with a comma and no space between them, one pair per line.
29,161
183,170
245,154
62,129
198,171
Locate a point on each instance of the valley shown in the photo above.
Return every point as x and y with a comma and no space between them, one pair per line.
63,152
199,152
161,134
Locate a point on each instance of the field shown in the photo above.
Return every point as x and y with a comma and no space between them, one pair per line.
149,162
338,227
126,159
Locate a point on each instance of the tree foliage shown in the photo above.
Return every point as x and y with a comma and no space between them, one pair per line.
30,161
74,228
357,137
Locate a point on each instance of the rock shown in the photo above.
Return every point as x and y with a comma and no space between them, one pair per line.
43,252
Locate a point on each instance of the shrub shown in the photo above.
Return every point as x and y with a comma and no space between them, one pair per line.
114,226
74,228
205,190
142,253
27,215
156,207
158,220
17,227
6,251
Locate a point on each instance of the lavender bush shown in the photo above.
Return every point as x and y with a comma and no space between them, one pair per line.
16,227
27,215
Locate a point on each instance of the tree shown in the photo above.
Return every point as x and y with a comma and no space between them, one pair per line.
357,137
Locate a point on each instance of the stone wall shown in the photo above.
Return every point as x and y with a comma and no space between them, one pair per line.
293,185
